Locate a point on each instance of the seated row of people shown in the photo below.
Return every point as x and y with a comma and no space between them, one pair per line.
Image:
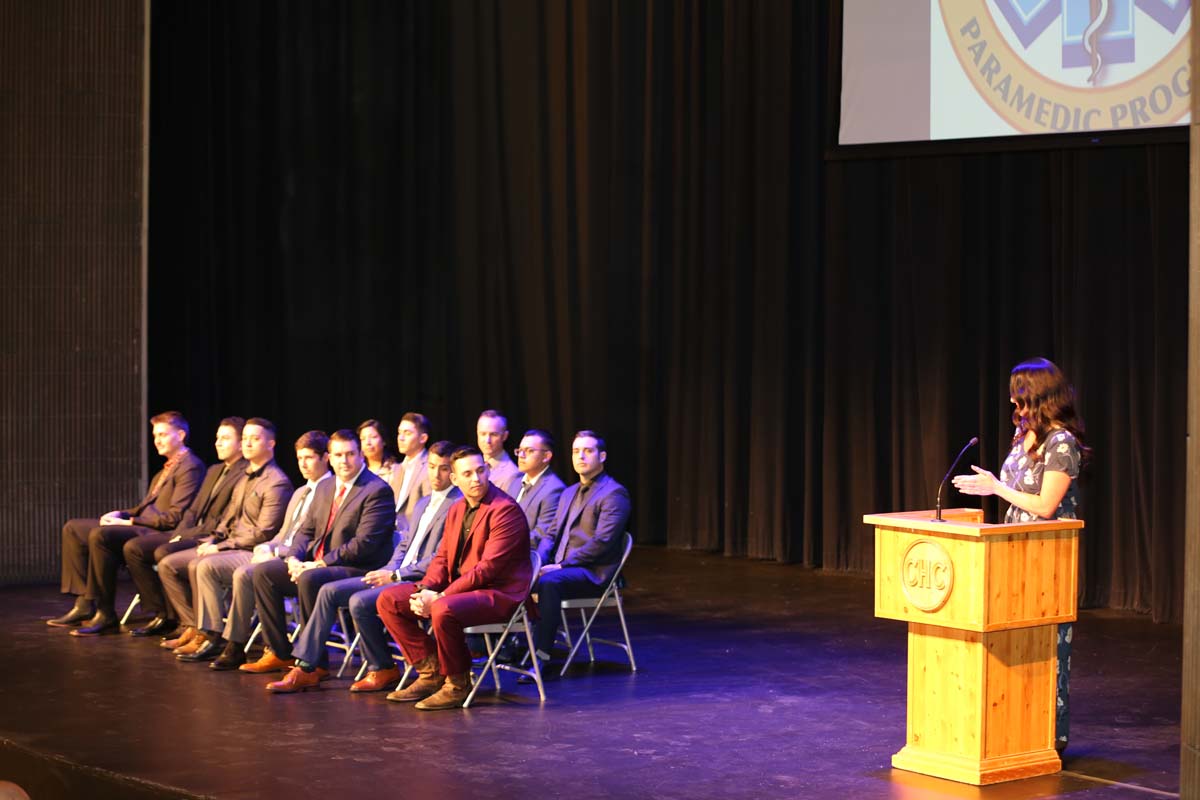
210,550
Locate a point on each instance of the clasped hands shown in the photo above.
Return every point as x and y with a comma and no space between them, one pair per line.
115,518
296,567
981,484
421,603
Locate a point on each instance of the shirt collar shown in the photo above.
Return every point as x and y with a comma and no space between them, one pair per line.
352,481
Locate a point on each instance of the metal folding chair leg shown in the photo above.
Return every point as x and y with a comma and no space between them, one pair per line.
137,598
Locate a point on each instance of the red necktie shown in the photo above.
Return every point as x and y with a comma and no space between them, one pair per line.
337,503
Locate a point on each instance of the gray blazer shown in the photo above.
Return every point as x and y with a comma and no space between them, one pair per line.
427,546
255,512
406,513
540,505
596,529
289,541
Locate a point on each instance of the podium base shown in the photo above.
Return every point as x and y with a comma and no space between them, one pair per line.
975,771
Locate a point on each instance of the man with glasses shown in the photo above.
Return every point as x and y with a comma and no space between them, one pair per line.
540,488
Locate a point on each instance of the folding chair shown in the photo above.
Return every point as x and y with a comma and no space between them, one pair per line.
137,598
502,630
611,598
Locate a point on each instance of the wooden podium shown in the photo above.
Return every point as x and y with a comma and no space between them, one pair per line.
982,603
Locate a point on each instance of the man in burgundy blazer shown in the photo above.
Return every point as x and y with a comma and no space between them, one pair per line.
171,492
480,574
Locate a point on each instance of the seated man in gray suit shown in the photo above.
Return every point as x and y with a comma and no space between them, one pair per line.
584,548
254,515
143,553
539,488
349,529
235,568
88,571
408,563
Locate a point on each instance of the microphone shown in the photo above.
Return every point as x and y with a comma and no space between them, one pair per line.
974,441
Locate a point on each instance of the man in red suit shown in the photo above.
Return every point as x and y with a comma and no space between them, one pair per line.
479,575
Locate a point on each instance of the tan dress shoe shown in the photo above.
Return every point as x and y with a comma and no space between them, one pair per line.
452,694
189,633
192,646
296,680
377,681
269,662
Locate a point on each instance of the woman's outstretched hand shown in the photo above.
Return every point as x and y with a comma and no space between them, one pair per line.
981,484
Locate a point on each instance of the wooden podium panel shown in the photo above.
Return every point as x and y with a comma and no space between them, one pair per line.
983,603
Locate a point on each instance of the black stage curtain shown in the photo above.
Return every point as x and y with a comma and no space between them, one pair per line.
619,215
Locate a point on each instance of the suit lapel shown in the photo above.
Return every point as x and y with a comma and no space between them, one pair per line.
352,494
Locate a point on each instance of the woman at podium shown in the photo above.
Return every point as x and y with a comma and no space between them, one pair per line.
1038,479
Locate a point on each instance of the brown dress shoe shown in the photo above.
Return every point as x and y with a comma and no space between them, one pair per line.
296,680
187,649
452,694
269,662
377,681
189,633
429,681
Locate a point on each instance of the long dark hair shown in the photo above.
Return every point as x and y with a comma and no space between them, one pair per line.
1041,391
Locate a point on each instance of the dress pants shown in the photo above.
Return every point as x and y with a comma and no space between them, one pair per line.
177,571
552,588
92,554
106,555
211,577
208,577
272,584
310,643
142,554
448,616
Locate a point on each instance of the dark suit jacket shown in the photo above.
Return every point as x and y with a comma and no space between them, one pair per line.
163,509
540,505
495,555
596,529
205,512
362,530
428,546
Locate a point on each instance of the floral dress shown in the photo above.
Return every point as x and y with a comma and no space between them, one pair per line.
1059,453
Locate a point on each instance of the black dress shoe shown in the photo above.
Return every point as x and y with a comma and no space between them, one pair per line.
103,622
206,652
81,612
232,657
157,627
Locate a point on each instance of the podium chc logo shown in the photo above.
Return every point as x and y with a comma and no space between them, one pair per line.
926,575
1052,66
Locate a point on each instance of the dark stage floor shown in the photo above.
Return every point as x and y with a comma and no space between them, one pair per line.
756,680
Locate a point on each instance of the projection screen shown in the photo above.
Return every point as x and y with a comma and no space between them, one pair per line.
916,70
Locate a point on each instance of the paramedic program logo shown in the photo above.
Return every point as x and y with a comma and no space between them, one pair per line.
1052,66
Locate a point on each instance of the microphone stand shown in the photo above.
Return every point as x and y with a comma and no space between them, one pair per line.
974,441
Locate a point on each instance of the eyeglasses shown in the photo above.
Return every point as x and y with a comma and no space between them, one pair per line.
521,451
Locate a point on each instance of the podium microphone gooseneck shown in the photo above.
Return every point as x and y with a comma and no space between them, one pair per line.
974,441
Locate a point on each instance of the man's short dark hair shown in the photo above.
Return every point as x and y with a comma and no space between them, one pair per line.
545,436
492,413
419,420
443,448
265,424
600,446
317,441
237,423
174,419
346,435
466,451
